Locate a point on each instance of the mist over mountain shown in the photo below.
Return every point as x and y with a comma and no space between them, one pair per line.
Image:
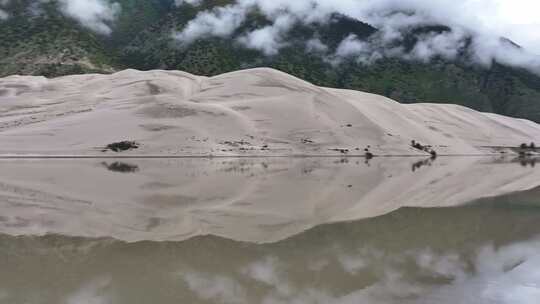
410,50
393,19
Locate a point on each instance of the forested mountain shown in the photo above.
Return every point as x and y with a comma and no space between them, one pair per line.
38,39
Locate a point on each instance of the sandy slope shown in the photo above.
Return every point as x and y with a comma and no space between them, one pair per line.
256,200
258,111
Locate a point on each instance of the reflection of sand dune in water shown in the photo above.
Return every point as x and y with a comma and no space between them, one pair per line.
256,200
255,112
482,253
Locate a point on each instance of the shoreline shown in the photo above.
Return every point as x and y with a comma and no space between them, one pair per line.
241,156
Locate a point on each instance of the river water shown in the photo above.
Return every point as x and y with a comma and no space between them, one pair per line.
295,230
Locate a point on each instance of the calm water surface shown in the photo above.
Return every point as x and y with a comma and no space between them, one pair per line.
269,231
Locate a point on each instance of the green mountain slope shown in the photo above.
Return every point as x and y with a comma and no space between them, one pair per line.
52,45
44,42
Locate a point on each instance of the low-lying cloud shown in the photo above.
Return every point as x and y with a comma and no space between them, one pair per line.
485,21
219,22
479,19
3,14
96,15
93,14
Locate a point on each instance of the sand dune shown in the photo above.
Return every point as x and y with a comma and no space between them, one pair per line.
254,112
255,200
251,112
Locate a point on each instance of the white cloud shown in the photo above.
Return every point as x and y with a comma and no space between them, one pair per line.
216,288
94,292
264,271
3,14
485,20
219,22
192,2
517,20
351,263
269,271
93,14
269,38
446,45
354,47
315,45
505,274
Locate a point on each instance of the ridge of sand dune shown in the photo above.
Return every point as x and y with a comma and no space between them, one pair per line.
251,112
